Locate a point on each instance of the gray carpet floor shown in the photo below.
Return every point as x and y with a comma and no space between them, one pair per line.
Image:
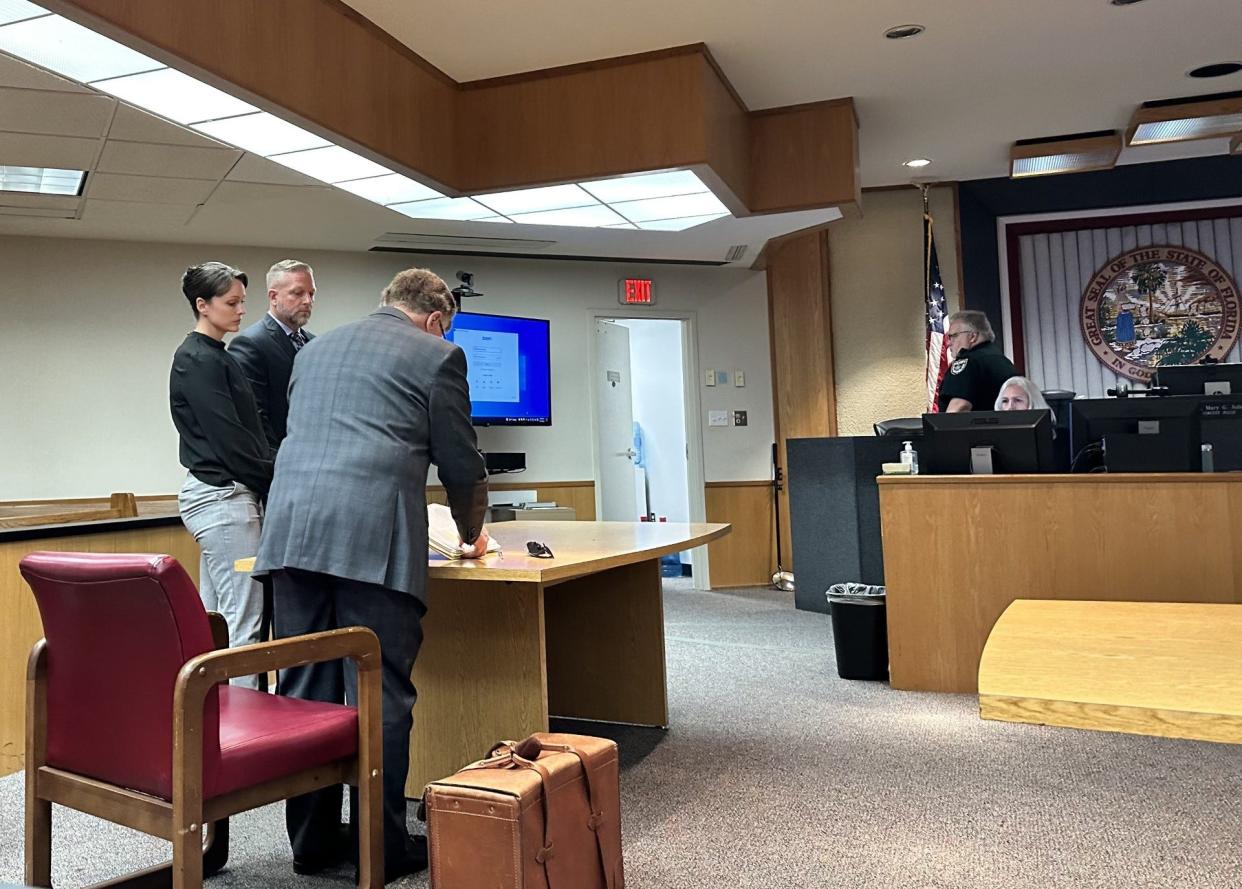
776,773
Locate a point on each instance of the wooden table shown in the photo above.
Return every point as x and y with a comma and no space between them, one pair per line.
959,549
1170,669
510,639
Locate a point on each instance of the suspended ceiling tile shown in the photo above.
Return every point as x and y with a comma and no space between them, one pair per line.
176,161
252,168
150,189
135,125
136,214
41,201
65,152
16,73
57,114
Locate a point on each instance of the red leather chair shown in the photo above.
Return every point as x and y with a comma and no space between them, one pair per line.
129,716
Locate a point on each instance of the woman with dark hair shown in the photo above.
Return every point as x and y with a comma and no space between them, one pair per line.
223,447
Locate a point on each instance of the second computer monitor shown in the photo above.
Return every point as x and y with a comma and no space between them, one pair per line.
1201,379
1017,441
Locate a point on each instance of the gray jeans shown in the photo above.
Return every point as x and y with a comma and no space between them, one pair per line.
225,522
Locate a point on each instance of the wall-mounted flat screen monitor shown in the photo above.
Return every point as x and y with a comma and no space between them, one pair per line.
509,368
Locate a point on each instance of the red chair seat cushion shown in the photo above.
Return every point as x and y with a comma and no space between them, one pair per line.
264,737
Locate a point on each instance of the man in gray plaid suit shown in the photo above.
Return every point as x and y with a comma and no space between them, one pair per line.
371,405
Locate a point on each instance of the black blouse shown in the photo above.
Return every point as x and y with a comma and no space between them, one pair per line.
213,408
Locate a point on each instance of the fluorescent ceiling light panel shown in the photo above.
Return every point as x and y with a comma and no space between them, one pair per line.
596,216
67,48
41,180
534,200
1186,128
262,133
462,209
677,225
647,185
16,10
332,164
391,189
1050,164
175,96
706,204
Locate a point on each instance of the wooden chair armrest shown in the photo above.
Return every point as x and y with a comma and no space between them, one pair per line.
356,643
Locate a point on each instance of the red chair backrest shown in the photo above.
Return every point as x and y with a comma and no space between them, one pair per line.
118,629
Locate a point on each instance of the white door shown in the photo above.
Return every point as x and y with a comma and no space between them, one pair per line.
615,411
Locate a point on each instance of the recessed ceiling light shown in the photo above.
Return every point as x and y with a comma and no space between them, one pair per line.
391,189
917,162
176,96
646,185
1219,69
332,164
17,10
67,48
262,133
904,32
41,180
536,200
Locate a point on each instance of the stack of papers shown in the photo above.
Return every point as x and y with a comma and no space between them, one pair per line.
442,536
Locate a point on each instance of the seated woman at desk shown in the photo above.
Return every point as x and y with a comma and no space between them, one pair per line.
1020,394
224,449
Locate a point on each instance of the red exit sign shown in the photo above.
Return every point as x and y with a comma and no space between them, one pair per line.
637,292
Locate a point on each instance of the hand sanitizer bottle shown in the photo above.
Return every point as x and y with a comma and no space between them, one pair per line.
910,456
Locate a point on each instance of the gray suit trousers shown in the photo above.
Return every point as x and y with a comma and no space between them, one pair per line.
309,602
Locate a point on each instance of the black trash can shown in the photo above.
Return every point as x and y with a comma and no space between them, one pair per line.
860,636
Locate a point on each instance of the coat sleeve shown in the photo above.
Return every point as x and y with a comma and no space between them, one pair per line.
254,367
454,448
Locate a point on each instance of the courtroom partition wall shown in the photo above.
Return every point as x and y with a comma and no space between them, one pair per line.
959,549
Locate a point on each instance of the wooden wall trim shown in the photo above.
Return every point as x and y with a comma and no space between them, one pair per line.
750,484
353,82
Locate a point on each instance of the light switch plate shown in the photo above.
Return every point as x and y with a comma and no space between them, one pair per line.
739,378
717,418
709,377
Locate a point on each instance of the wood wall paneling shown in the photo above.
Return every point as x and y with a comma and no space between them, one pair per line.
803,376
747,556
20,627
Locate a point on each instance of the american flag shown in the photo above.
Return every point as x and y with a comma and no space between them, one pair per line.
933,295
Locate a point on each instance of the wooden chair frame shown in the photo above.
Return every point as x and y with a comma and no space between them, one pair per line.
183,821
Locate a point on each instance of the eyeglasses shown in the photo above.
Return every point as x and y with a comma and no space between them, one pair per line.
538,550
959,333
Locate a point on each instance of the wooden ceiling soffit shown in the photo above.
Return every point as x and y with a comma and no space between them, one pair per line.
322,65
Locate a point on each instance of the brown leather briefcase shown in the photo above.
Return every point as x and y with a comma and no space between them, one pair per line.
543,814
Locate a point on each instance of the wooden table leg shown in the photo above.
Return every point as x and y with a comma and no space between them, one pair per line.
480,675
605,643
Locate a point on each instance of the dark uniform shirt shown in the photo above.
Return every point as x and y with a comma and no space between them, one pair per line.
977,376
213,408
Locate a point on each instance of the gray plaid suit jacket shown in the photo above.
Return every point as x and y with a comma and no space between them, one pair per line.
371,405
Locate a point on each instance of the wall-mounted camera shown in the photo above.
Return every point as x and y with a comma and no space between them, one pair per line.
465,288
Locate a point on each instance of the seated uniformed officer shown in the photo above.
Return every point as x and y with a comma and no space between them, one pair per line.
979,367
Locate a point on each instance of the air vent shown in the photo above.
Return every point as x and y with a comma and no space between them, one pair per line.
406,241
736,252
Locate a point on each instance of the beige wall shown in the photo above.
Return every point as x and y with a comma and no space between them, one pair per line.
876,275
89,328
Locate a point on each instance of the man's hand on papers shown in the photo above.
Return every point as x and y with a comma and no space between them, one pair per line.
478,548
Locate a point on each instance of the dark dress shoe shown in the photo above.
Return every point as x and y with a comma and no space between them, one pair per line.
333,855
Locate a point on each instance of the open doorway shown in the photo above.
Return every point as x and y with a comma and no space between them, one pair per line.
648,446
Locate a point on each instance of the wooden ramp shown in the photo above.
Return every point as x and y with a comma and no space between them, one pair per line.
1147,668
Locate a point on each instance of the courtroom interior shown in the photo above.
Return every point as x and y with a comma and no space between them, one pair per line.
853,436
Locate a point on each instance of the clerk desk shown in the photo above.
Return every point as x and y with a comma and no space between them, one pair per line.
959,549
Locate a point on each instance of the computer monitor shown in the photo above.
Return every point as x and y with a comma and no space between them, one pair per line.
1015,441
1220,425
1136,434
1201,379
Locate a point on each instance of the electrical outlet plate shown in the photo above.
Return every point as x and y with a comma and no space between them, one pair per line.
739,418
709,377
739,378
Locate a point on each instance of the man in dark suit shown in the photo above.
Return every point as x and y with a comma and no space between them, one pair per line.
371,405
266,348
